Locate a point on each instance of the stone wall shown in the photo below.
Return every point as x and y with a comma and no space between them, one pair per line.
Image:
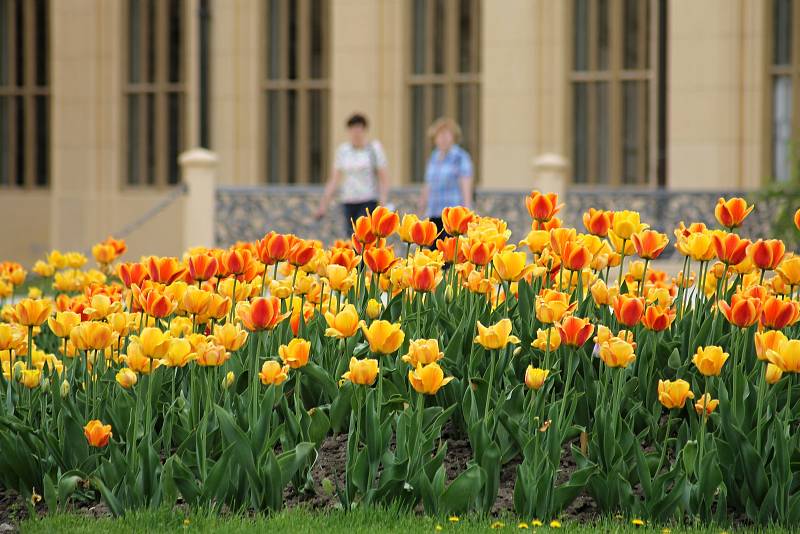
246,213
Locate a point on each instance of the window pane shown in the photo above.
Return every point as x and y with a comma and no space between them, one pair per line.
602,35
4,43
273,133
150,139
291,137
580,122
437,92
273,36
634,131
782,128
580,35
419,44
782,32
175,40
316,48
134,168
150,43
42,152
466,26
316,151
134,39
417,133
439,30
631,29
19,43
5,146
174,137
293,43
42,44
19,177
601,133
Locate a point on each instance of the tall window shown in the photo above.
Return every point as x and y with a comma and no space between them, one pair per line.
445,74
295,86
155,91
613,83
24,93
785,80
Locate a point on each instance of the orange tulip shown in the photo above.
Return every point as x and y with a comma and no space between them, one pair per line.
132,273
302,252
262,313
552,305
424,233
104,253
296,353
673,394
797,218
617,352
574,331
380,259
628,309
542,207
97,434
273,248
345,257
203,267
428,379
767,254
649,244
731,213
164,270
273,374
155,303
743,311
559,237
479,253
456,220
598,222
658,318
425,279
535,377
383,221
362,230
705,404
777,313
730,248
447,247
575,257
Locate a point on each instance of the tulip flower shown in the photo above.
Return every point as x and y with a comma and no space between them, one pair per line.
273,374
616,352
195,301
154,302
423,351
301,253
30,312
132,274
575,257
203,267
404,231
138,362
344,257
626,223
424,233
11,336
383,337
30,378
673,393
495,336
425,279
766,254
768,340
343,324
296,353
362,372
743,311
374,308
230,336
274,248
126,377
362,231
104,253
730,248
456,220
777,313
649,244
732,213
551,306
428,379
447,247
700,246
542,207
164,270
658,318
597,222
797,219
773,374
541,342
262,313
535,377
97,434
93,335
628,309
787,356
709,360
574,331
479,252
383,221
179,354
62,323
705,405
209,354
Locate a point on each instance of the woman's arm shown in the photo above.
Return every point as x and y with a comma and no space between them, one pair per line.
465,183
330,189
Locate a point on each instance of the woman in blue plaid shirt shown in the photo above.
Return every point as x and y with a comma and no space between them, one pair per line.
448,176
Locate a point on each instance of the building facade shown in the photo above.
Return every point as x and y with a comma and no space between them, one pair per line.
99,97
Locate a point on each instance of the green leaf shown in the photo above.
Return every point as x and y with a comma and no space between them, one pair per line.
462,493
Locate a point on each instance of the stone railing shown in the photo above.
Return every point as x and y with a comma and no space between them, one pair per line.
246,213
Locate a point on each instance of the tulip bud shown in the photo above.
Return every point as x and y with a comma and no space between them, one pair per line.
228,381
448,294
64,389
773,374
373,309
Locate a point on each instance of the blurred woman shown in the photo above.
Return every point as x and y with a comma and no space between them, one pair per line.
359,173
448,175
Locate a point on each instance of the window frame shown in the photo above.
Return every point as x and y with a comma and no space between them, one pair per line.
451,79
160,88
27,94
615,75
303,85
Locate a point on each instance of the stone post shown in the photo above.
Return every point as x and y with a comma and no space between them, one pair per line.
199,174
550,173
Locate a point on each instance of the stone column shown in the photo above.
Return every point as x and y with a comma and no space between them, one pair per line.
199,174
550,174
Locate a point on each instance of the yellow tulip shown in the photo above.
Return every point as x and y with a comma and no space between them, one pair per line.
62,323
705,404
626,223
495,336
535,377
273,374
787,356
383,337
296,353
510,265
541,339
428,379
340,278
616,352
362,372
30,378
343,324
153,342
789,270
210,354
373,309
138,361
709,360
126,377
179,353
773,374
230,336
32,312
551,306
768,340
92,335
673,393
423,351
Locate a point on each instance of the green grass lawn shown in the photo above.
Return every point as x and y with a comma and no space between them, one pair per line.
366,521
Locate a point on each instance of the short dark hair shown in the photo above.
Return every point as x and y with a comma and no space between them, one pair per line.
357,119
